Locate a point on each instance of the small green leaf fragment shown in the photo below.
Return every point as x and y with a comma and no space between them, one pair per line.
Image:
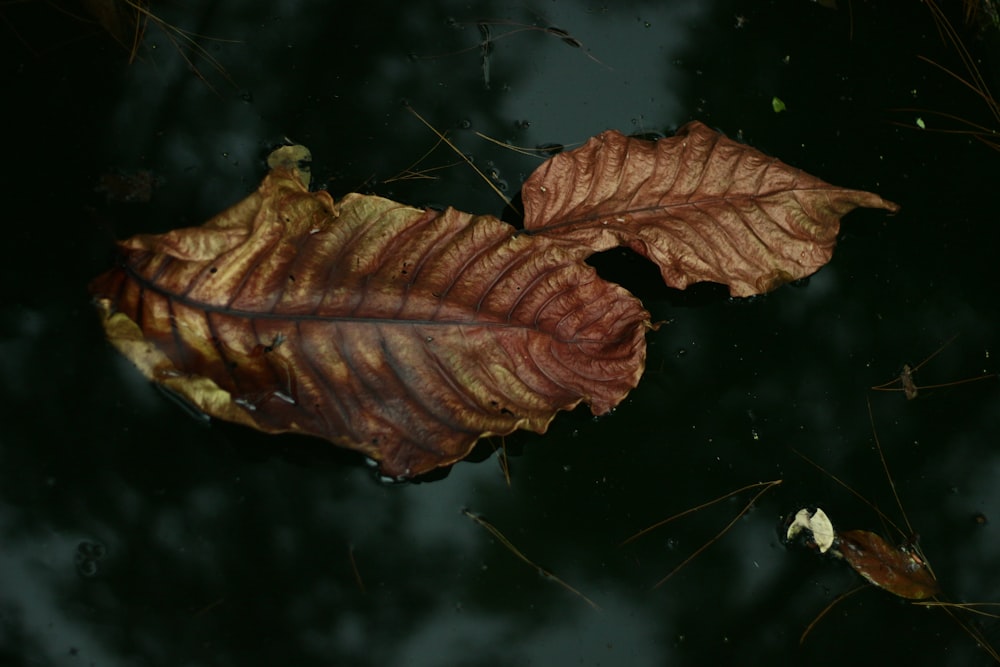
777,104
920,123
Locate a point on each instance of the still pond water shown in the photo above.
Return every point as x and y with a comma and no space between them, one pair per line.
134,534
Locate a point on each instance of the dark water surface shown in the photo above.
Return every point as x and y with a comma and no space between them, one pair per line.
133,534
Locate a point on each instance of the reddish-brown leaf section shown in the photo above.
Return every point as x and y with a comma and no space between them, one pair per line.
899,571
409,334
405,334
701,206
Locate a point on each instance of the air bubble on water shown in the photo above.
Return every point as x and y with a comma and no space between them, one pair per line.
465,124
88,555
87,568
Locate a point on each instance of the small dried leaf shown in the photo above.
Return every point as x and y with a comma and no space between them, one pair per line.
897,570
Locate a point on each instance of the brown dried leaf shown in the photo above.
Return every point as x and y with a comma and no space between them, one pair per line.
402,333
701,206
899,571
409,334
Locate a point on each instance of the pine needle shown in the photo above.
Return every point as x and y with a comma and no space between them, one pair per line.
827,608
462,155
495,532
746,508
664,522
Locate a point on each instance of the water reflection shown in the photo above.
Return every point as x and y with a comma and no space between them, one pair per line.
223,546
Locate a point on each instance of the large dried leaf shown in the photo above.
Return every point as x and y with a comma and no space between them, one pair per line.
901,572
403,333
409,334
701,206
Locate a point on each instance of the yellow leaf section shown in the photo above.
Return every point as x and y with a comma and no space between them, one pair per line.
200,392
